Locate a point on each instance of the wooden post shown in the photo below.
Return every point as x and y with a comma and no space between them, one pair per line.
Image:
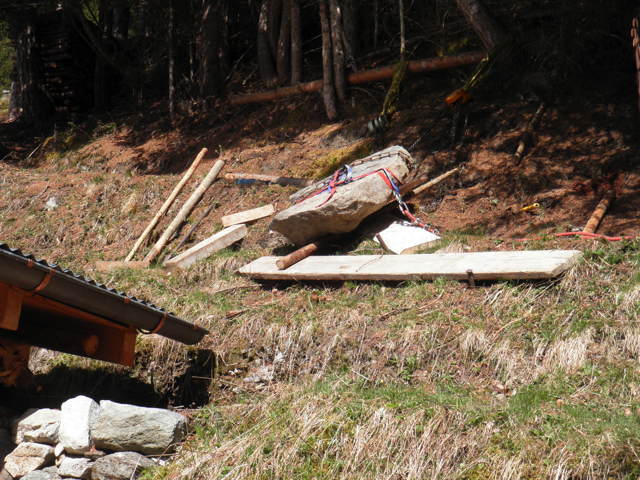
185,211
168,202
10,307
598,213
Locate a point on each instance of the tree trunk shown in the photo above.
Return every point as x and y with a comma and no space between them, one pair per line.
105,25
328,93
273,24
486,27
338,50
207,45
31,105
265,58
14,101
172,61
283,55
296,43
350,37
121,16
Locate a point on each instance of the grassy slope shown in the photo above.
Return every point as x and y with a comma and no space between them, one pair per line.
412,380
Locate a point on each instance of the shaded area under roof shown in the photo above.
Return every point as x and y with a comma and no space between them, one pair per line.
61,285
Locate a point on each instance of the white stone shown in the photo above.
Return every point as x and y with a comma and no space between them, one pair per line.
121,427
40,426
77,416
58,450
27,457
75,467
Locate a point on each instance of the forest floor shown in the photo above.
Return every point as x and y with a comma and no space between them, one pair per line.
360,380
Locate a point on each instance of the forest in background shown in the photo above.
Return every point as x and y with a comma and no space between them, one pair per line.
80,56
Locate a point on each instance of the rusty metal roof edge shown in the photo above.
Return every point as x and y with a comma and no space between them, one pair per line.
195,332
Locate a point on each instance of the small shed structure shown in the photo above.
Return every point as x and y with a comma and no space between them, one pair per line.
44,305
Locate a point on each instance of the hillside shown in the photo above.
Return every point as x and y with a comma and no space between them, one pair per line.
361,380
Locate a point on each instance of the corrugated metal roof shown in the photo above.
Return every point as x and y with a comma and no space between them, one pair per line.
28,272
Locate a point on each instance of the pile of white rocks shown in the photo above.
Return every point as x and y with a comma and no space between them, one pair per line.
90,441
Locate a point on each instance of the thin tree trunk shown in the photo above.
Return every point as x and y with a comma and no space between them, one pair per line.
296,43
209,75
283,56
273,24
105,26
486,27
121,16
338,50
31,105
328,93
403,41
265,58
172,60
350,37
14,101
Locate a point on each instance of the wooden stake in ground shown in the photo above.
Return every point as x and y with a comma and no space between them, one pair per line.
598,213
185,211
528,132
168,202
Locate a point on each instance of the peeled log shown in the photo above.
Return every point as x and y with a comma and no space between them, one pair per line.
383,73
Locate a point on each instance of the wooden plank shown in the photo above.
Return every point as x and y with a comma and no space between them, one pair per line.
484,265
220,240
248,215
401,238
10,307
107,267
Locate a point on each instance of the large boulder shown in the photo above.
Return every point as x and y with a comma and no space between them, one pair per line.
76,417
75,467
314,216
40,426
120,466
27,457
121,427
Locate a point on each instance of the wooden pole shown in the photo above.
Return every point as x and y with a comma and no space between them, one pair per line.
185,211
168,202
435,181
296,256
257,177
598,213
383,73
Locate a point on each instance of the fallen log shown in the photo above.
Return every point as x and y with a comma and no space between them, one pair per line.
167,204
257,177
598,213
185,211
383,73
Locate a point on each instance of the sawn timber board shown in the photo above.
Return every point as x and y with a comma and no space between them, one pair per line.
528,264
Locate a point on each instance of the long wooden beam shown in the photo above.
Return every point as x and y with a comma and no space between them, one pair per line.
482,265
374,75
